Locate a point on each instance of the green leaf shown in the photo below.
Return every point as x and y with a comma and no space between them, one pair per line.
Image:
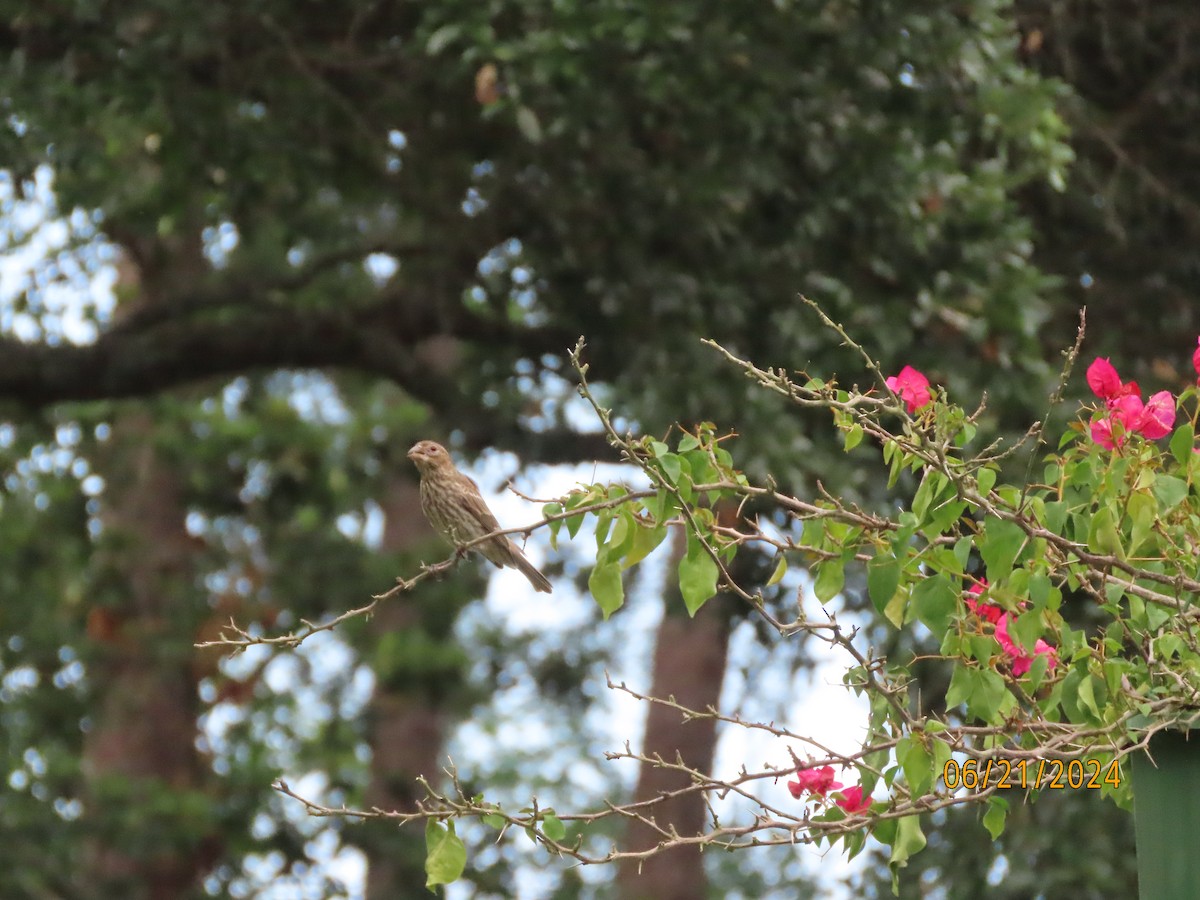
1081,475
853,437
931,485
897,467
645,541
780,570
980,647
909,840
993,819
988,695
812,533
962,551
999,547
1025,628
573,524
553,828
831,577
604,520
883,577
1182,442
606,587
936,601
1167,646
1169,491
985,479
700,467
982,690
445,855
918,766
854,842
897,609
672,466
1103,536
941,750
1087,695
1039,589
944,516
662,507
697,576
553,509
1142,511
942,560
620,539
962,684
1056,515
493,820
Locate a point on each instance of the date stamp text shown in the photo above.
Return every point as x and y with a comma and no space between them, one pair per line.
1052,774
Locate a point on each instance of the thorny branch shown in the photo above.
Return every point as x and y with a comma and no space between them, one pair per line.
769,825
1023,737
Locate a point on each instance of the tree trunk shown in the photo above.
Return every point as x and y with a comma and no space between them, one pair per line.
689,664
406,725
142,739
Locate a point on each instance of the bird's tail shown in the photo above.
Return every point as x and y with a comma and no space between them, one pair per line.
529,570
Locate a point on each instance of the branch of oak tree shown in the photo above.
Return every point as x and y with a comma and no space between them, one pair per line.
380,340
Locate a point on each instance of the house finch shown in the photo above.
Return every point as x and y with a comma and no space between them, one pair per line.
454,507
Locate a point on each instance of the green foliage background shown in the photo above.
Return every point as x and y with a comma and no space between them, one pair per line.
648,174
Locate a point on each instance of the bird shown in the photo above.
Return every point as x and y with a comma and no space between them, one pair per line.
454,507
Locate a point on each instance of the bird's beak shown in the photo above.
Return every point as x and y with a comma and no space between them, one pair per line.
412,452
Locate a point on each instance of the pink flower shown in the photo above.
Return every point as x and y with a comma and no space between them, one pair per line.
1152,420
1041,648
1158,416
815,781
1196,360
1102,434
1128,410
1106,384
1022,659
853,801
1103,379
912,387
989,612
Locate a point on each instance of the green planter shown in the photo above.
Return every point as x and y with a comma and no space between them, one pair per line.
1166,812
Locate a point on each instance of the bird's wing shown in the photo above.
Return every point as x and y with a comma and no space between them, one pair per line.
475,505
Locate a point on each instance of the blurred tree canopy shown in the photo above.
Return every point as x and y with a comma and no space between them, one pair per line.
639,174
340,227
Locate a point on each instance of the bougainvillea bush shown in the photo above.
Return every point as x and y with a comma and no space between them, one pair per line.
1108,516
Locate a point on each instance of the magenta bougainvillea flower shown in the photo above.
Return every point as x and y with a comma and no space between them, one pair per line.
1105,383
1158,416
989,612
814,781
912,387
1022,659
1126,413
853,801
